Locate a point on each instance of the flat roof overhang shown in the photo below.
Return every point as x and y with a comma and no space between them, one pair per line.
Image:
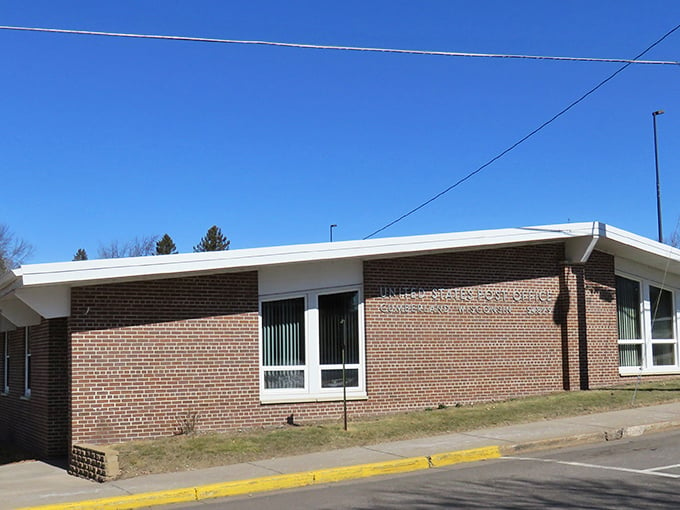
43,290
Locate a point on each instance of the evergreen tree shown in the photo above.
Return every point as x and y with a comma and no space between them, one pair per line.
81,254
166,246
213,240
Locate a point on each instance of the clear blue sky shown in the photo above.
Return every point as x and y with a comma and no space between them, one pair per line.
106,139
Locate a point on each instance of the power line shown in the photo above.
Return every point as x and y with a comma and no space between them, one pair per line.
341,48
524,138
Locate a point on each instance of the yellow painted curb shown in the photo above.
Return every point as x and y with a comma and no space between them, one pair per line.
389,467
446,459
263,484
126,502
277,482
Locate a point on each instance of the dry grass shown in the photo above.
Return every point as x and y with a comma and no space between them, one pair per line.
198,450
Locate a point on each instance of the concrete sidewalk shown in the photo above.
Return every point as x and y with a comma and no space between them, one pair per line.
34,484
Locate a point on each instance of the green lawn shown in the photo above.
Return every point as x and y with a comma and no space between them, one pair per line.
199,450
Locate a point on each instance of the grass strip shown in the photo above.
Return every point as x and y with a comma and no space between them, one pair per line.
201,450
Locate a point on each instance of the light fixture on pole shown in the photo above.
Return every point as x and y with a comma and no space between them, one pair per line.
658,184
331,231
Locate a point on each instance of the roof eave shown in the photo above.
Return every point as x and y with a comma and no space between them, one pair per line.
172,266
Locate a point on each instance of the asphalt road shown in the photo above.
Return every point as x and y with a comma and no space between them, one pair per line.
634,473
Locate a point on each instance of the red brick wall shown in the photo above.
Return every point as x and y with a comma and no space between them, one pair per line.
602,330
462,356
145,354
38,424
440,329
496,350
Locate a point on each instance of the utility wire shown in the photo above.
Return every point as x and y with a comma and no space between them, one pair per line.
526,137
626,62
340,48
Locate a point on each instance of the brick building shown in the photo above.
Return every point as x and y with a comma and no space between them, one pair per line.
112,350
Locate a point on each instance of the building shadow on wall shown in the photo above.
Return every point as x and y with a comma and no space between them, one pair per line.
570,339
10,454
130,304
573,323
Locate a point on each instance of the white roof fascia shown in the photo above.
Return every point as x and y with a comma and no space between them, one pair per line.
166,266
641,250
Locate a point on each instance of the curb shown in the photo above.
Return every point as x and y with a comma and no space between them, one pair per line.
277,482
330,475
593,437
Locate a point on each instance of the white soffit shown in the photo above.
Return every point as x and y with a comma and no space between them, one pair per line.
6,325
313,275
50,302
577,250
18,313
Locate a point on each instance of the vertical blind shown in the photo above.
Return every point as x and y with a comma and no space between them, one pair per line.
662,313
628,308
628,315
338,316
630,355
283,332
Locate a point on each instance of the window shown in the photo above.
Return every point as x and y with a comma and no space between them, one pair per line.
339,339
647,326
283,343
5,363
27,362
305,342
663,326
628,312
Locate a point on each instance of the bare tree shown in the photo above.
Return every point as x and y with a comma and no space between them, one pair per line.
13,251
674,241
138,247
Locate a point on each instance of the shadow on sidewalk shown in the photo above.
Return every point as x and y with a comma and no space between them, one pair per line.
9,454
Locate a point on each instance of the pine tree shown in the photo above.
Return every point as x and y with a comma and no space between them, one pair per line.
213,240
81,254
166,246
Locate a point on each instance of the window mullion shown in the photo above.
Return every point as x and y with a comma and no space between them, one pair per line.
646,327
313,364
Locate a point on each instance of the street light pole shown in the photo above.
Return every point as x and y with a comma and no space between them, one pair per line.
658,184
331,231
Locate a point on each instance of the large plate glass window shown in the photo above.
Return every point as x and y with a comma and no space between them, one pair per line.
630,328
647,325
283,343
663,326
339,339
312,346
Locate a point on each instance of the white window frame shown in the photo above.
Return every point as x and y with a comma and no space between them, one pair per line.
647,367
27,362
312,391
278,393
5,364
